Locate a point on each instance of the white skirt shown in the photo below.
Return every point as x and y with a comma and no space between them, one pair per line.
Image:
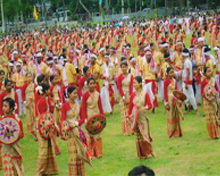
105,100
148,88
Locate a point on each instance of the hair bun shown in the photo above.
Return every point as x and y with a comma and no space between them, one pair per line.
39,89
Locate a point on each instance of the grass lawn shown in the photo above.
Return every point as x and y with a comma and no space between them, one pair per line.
191,155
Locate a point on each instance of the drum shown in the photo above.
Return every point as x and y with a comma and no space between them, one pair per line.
96,124
9,130
134,118
179,95
65,130
46,125
209,93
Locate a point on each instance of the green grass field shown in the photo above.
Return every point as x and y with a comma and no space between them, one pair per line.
194,154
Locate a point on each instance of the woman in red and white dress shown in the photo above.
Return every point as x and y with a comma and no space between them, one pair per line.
125,87
141,99
92,105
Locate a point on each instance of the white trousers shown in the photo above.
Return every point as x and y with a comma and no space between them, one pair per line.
148,88
20,101
198,93
190,99
105,100
218,84
114,87
160,89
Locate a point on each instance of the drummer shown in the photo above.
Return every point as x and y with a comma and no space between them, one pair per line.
92,105
11,151
70,112
141,99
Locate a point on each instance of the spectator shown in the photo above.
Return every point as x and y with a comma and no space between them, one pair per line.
141,171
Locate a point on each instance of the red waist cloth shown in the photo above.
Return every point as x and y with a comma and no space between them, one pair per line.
188,82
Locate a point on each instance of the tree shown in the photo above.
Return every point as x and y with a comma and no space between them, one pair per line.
84,7
45,12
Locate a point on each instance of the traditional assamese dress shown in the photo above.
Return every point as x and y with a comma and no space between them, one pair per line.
142,131
175,112
76,151
125,88
13,95
55,103
211,110
4,95
28,98
12,155
46,163
107,92
92,105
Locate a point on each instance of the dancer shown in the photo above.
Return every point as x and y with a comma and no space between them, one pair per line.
210,107
141,99
92,105
28,98
173,105
150,75
125,88
71,112
46,163
108,73
187,75
12,154
82,83
18,79
9,93
55,109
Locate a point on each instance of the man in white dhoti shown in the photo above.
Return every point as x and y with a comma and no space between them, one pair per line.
187,77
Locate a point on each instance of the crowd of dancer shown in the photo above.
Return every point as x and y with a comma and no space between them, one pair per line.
75,73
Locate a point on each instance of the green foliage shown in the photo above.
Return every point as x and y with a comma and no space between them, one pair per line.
152,15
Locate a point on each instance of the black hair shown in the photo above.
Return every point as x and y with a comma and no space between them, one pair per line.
138,79
40,78
107,54
85,69
52,77
11,102
63,50
49,59
43,50
139,170
129,45
107,47
141,48
45,87
124,63
90,79
168,69
131,58
123,59
205,70
71,89
2,72
28,73
166,55
7,81
151,44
